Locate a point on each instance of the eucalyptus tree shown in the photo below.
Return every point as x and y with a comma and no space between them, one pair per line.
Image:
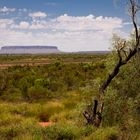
125,50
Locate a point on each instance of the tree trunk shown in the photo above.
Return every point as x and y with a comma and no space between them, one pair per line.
94,112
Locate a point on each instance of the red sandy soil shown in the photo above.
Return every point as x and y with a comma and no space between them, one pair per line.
45,124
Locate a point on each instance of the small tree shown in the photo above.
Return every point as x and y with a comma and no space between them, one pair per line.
125,51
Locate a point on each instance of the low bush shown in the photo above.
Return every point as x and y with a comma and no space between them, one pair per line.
62,132
110,133
17,128
12,94
36,93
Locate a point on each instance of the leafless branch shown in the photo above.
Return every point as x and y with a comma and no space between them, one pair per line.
120,46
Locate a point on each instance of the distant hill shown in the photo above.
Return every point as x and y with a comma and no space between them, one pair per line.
41,50
29,50
93,52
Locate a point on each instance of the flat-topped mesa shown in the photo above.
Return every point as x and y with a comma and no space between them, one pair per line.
28,47
29,50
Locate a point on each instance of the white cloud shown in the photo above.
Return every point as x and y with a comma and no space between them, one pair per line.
66,41
5,23
38,15
81,23
127,23
69,33
87,23
24,25
7,10
37,26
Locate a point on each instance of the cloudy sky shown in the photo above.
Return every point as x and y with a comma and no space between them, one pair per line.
72,25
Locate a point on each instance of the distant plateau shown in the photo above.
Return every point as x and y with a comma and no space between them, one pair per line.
41,50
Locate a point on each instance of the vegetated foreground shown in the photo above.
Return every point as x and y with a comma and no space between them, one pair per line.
42,97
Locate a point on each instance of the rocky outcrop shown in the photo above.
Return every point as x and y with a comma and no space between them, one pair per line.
29,50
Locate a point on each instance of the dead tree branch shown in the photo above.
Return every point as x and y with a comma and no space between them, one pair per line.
96,117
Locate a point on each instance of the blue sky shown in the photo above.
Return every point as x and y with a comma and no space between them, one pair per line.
72,7
72,25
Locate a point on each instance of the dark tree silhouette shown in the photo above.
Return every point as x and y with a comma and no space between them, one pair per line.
125,53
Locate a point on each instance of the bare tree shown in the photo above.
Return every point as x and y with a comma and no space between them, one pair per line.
125,52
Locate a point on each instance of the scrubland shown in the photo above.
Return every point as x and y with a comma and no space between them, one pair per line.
58,88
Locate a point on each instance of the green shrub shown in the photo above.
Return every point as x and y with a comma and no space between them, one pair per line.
26,109
24,85
69,104
65,116
8,119
16,128
87,130
62,132
55,85
35,93
12,94
110,133
9,132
